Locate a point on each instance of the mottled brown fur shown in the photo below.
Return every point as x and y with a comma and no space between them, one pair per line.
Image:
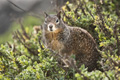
69,40
54,43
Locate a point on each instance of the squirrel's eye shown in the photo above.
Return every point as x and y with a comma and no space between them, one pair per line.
57,21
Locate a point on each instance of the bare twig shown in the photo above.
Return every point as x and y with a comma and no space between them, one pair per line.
21,36
39,40
16,5
31,14
105,71
81,6
76,10
68,8
88,10
23,30
68,18
9,45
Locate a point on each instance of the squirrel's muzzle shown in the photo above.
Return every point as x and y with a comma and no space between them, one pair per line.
51,27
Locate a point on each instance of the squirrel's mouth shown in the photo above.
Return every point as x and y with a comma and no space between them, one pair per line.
51,29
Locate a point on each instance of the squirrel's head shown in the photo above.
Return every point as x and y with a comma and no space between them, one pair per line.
53,23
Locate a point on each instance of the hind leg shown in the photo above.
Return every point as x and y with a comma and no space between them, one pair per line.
68,61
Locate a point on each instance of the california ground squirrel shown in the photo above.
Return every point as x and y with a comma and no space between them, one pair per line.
68,40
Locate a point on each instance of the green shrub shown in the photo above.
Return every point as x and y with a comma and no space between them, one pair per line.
24,58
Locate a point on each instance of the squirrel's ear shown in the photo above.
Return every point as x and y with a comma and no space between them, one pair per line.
45,14
59,14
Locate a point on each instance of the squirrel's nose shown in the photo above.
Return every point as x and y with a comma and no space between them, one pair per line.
50,26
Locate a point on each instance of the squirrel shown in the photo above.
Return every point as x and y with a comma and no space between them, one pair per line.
68,40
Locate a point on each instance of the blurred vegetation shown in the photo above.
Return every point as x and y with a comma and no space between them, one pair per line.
28,21
24,58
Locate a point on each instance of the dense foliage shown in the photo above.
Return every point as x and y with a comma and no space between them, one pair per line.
25,58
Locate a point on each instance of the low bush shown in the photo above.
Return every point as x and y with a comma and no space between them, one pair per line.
25,58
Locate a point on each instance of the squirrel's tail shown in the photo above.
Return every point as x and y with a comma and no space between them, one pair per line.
95,61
